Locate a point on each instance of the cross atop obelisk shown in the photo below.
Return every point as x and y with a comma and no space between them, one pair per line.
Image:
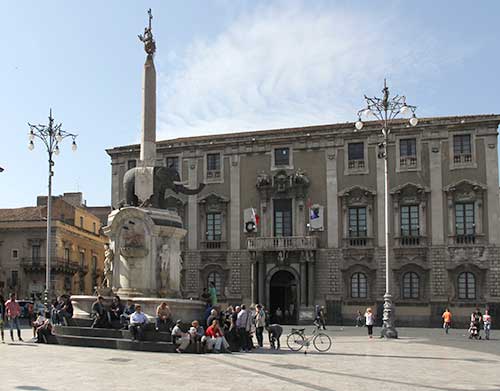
148,139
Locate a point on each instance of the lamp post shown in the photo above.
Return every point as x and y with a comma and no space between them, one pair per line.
51,135
385,110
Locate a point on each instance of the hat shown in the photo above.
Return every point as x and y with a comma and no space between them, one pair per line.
178,321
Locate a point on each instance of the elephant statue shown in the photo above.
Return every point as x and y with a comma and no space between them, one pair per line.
163,178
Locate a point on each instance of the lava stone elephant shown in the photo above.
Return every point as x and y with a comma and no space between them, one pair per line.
163,178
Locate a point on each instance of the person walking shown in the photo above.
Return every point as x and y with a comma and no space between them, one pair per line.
446,320
359,319
13,311
486,324
369,321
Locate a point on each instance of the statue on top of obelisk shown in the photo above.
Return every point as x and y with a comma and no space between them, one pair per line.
147,38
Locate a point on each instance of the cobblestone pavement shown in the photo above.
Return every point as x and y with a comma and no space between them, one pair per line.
422,359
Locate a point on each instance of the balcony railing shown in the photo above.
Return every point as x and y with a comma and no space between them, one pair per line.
56,264
462,158
408,161
358,241
214,245
356,164
283,243
410,241
465,239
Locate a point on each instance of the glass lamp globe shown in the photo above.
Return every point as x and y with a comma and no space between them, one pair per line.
31,145
59,137
404,109
368,113
413,121
359,125
73,146
56,150
31,135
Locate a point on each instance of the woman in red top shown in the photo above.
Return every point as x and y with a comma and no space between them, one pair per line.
215,337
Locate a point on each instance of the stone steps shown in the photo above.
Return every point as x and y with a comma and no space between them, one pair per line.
115,343
149,335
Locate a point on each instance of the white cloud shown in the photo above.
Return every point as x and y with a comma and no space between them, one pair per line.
300,65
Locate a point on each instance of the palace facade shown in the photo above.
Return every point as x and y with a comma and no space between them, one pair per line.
77,248
318,192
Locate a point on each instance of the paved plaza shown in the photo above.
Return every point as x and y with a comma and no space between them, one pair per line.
422,359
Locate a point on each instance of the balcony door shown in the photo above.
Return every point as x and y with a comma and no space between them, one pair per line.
283,217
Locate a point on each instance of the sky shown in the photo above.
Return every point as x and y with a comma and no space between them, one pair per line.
224,66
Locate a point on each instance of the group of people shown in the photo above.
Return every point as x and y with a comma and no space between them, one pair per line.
229,330
478,321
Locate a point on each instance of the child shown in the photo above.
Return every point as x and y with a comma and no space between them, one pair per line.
446,320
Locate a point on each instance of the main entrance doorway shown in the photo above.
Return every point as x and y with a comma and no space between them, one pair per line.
283,297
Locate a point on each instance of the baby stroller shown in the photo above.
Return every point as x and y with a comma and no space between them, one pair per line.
474,331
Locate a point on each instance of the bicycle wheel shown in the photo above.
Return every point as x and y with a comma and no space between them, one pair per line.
322,342
295,341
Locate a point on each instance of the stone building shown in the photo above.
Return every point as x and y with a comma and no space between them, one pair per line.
78,248
318,192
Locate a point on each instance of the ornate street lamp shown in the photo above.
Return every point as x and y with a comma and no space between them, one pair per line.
51,135
385,110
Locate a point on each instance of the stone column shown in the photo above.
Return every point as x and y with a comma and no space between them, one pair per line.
332,207
490,151
262,280
253,281
437,215
193,205
303,283
235,226
148,138
310,284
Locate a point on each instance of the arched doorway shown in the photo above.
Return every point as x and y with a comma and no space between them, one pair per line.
283,295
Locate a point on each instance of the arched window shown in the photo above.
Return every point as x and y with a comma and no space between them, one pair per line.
411,285
216,279
466,285
359,286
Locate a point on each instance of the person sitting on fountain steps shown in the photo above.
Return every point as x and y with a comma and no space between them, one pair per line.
138,320
99,313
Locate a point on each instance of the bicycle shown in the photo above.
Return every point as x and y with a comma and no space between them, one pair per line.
297,339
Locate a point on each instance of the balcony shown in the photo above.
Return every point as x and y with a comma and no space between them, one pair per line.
356,164
410,241
358,241
57,265
214,245
408,162
466,240
286,243
463,158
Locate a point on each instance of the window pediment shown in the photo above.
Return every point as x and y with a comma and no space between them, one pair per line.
357,196
465,186
410,193
213,199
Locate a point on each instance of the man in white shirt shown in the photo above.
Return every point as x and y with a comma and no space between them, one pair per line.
243,326
137,322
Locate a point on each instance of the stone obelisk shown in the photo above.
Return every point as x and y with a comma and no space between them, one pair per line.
148,138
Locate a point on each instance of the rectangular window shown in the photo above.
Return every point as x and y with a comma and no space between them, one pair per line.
214,227
408,153
408,147
131,164
410,221
82,258
15,254
173,162
464,222
14,277
94,228
94,264
81,222
282,156
35,252
462,148
283,217
66,254
356,156
213,162
357,222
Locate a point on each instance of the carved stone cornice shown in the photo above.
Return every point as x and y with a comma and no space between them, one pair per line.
283,183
